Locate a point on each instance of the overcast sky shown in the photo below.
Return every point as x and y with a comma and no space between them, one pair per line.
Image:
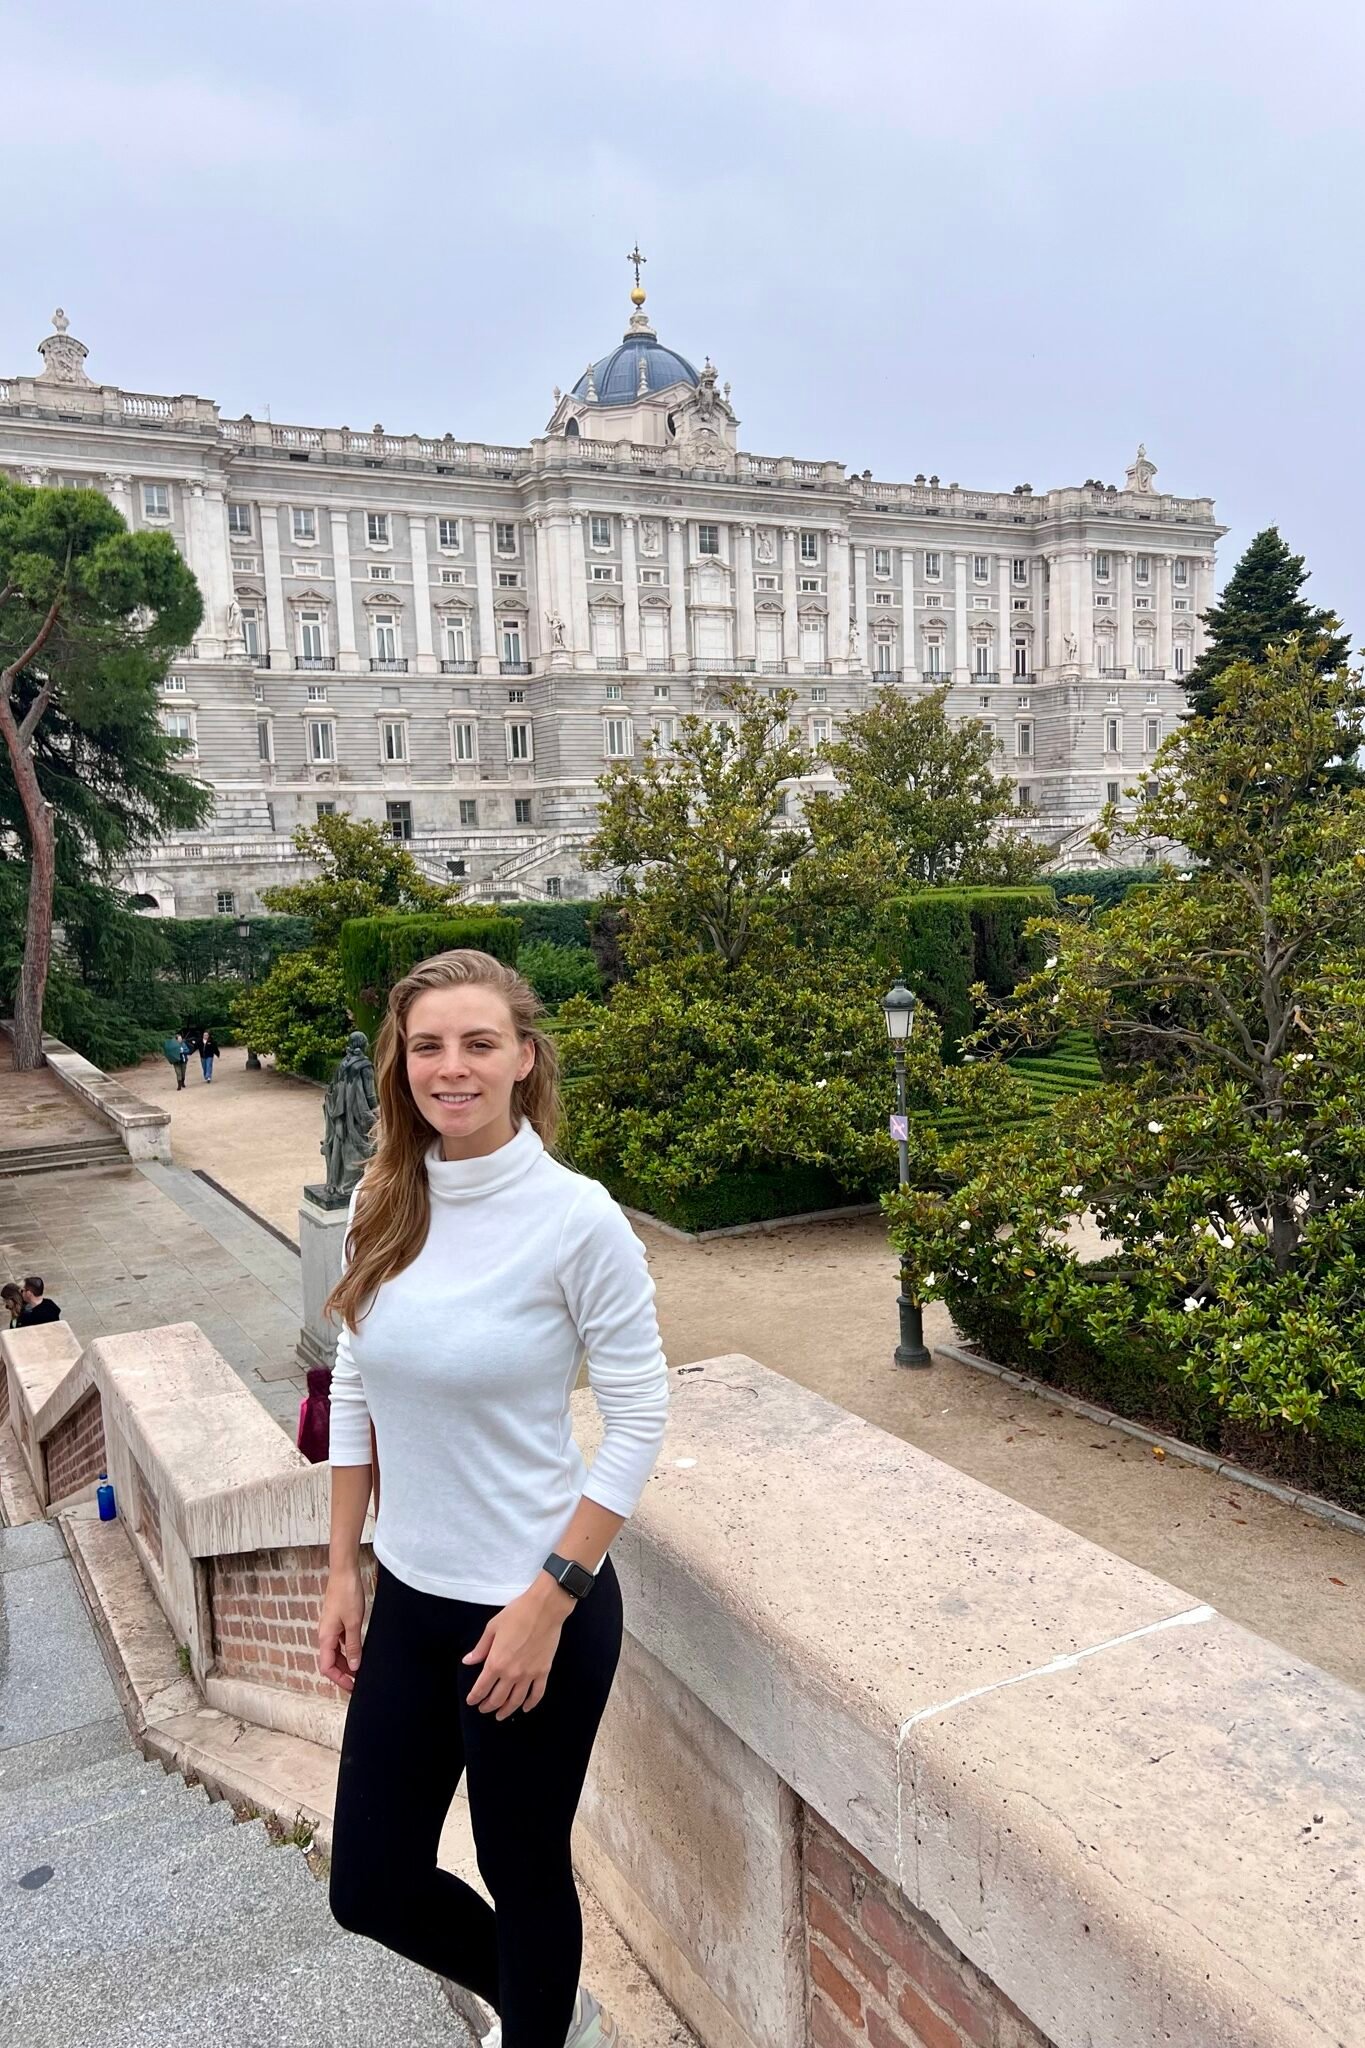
1001,241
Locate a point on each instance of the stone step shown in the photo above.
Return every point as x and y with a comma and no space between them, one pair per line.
147,1830
109,1786
63,1158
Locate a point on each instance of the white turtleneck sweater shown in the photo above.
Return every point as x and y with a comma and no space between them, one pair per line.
465,1363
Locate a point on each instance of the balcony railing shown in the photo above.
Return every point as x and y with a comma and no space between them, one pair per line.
886,675
459,668
985,675
514,668
1152,675
772,668
610,661
323,661
658,667
388,664
722,664
819,668
1112,671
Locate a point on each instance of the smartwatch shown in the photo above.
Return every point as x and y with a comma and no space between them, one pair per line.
574,1578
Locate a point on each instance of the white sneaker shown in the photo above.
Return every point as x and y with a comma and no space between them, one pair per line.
590,2028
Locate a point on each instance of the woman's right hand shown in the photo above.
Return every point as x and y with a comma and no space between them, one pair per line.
343,1612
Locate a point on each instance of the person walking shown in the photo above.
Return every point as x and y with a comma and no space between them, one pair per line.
479,1270
208,1053
37,1308
177,1051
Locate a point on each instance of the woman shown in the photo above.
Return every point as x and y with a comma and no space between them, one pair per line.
479,1270
14,1303
208,1053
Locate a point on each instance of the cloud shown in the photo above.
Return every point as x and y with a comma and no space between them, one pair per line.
162,129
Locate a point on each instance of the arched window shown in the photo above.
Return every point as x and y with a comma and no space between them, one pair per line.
571,430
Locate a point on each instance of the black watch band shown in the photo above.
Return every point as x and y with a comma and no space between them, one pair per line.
574,1578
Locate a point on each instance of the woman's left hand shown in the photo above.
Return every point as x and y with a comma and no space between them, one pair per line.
517,1649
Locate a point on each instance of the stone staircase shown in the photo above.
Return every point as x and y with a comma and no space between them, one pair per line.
65,1155
136,1912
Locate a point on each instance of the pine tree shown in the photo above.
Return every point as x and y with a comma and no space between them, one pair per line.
1261,605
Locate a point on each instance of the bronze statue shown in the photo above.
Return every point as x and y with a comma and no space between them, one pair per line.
349,1110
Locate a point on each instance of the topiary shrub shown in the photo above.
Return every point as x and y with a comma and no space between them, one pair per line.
944,940
557,972
560,922
375,952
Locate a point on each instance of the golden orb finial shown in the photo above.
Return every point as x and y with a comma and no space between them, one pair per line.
637,296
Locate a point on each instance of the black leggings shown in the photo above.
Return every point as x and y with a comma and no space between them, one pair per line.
410,1733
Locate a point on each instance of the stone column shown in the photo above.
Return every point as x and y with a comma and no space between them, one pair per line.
561,583
677,594
1125,637
1163,612
630,591
1203,601
348,655
960,660
909,627
578,593
1004,634
1084,586
210,565
483,580
746,632
1046,646
860,607
421,595
322,1237
837,544
791,631
277,634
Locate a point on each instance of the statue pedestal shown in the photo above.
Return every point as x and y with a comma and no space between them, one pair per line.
322,1238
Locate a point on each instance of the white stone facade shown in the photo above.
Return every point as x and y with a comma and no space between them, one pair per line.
456,638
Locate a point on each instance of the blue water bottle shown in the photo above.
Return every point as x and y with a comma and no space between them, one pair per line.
104,1494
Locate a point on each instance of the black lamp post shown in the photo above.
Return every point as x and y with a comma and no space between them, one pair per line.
243,929
898,1007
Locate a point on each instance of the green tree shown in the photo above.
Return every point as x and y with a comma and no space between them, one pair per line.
1261,605
362,870
698,835
1230,1168
920,798
299,1011
91,618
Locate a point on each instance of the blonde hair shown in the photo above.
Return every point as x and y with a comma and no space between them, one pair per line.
393,1209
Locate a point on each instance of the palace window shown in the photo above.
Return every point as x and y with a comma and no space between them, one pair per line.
462,745
312,639
393,738
810,547
933,565
265,739
156,501
452,575
469,810
617,743
509,579
316,693
521,810
599,531
239,522
1019,569
505,537
322,744
708,540
399,818
1113,735
305,523
1180,572
519,741
1021,657
1023,737
1151,734
1142,568
377,529
981,568
881,561
1102,568
384,635
380,572
448,534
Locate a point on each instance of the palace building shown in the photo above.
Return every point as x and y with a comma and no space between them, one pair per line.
455,639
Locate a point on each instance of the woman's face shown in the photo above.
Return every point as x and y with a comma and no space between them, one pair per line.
463,1057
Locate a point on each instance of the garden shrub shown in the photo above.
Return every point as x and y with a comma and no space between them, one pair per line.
557,972
375,952
562,921
945,940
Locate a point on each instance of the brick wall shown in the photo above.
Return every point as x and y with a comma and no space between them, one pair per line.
884,1976
266,1605
148,1512
74,1453
4,1395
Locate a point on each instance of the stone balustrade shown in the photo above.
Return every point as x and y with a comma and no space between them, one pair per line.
890,1760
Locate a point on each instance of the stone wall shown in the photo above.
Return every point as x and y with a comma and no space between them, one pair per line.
265,1606
74,1454
883,1975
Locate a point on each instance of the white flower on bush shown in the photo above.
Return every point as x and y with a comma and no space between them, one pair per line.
1191,1304
1050,963
1154,1126
1301,1059
1073,1194
822,1084
964,1224
929,1279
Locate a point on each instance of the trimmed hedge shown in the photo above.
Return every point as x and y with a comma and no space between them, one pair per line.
563,922
375,952
1144,1386
745,1197
1108,886
943,940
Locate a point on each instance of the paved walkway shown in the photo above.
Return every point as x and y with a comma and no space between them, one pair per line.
37,1111
128,1247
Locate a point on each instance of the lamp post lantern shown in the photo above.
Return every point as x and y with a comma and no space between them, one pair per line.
243,930
898,1007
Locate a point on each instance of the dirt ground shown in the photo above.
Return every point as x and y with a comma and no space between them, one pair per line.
818,1302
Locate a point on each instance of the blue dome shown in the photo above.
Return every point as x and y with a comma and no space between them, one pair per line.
617,376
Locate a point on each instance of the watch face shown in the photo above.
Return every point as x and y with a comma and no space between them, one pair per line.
578,1580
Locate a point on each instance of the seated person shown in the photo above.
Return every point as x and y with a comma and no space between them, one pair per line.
37,1308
